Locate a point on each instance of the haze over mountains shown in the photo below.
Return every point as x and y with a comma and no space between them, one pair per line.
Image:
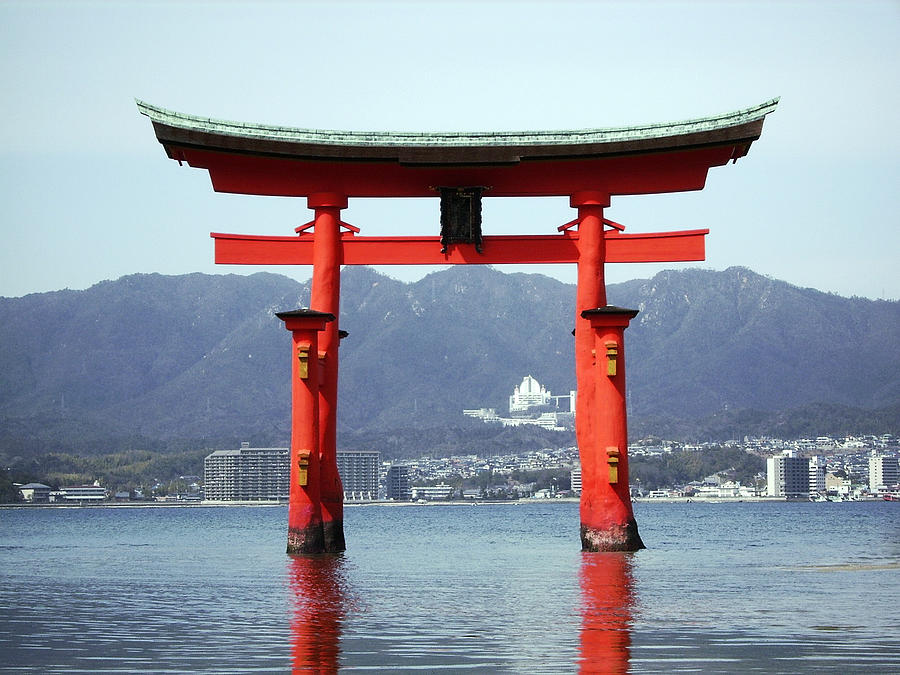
204,357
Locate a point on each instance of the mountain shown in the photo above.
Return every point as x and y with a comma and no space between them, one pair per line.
151,360
145,357
707,341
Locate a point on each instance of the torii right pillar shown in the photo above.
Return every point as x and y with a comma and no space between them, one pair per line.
601,427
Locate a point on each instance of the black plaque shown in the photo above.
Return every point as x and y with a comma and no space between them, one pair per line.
461,216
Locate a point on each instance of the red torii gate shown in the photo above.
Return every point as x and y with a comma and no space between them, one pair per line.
588,166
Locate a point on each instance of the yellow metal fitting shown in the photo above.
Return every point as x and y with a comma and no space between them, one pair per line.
612,353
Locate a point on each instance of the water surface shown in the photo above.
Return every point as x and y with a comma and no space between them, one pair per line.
746,587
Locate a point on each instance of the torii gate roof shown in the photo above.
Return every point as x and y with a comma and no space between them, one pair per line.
274,160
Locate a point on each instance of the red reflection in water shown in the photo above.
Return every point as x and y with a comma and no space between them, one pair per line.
319,601
607,599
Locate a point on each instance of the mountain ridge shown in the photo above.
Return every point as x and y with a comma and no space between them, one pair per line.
153,359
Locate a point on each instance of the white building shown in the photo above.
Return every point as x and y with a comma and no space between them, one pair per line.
817,475
527,395
432,492
575,479
247,474
787,475
35,493
485,414
546,420
263,474
726,490
85,493
883,473
359,473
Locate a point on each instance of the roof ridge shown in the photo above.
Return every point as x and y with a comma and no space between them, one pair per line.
160,115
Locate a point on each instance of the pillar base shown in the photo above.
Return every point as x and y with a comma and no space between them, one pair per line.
309,540
334,536
614,538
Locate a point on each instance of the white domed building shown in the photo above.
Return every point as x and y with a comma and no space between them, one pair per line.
529,394
526,396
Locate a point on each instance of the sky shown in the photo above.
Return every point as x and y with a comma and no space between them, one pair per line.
88,194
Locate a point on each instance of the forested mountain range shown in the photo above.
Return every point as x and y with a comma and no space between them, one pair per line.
196,360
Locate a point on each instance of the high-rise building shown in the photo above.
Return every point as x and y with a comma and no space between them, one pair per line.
247,474
816,475
883,472
787,475
359,473
397,483
575,479
263,474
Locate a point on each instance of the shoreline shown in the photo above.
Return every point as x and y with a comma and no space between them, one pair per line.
456,502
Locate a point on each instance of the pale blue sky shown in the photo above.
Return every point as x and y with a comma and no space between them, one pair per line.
86,192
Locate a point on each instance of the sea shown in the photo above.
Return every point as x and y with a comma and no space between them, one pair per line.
491,588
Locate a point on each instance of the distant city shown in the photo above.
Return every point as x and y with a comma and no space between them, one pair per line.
821,469
816,469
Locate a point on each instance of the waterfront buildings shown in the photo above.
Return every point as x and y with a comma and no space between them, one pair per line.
263,474
725,490
432,492
817,470
247,474
883,472
575,479
397,483
787,475
36,493
359,473
84,493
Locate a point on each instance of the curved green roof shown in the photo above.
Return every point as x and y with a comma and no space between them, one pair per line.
207,126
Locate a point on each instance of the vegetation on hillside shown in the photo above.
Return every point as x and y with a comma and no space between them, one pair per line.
679,468
119,471
203,357
467,437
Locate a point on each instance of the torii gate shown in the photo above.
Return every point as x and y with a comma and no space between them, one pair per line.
329,167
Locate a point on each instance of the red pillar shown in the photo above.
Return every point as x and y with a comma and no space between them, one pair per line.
605,525
325,297
305,531
607,522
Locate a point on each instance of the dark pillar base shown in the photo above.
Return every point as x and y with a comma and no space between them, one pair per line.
616,538
307,541
334,536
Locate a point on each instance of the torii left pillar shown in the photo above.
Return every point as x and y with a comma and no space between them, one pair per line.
305,526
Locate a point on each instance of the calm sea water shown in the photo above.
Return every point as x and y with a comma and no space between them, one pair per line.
729,588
